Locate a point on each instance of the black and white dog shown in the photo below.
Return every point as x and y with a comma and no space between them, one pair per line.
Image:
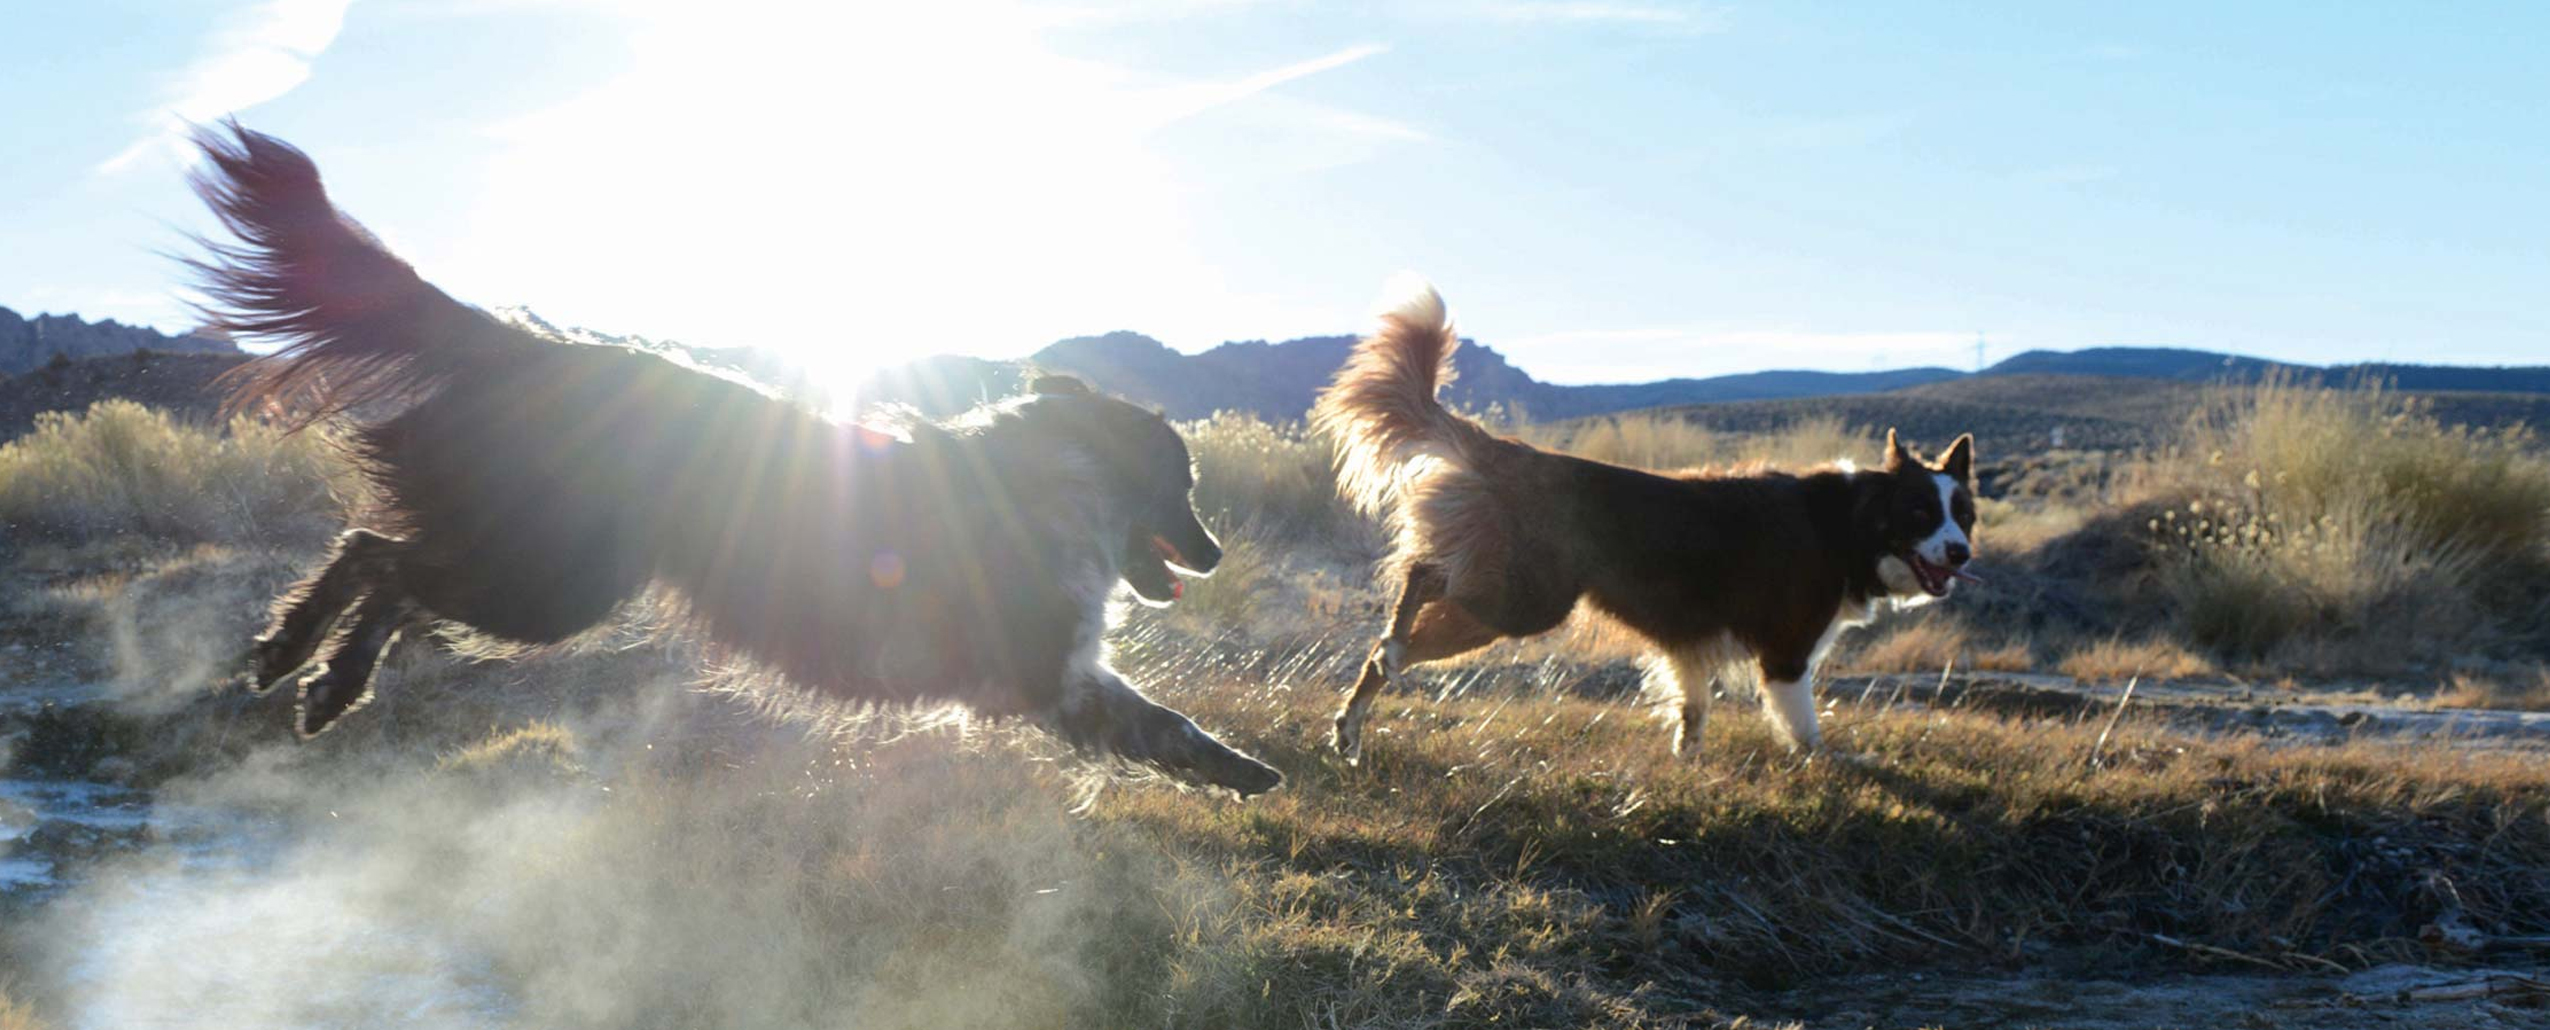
531,486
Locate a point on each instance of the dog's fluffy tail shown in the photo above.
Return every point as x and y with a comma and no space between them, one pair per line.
356,324
1381,409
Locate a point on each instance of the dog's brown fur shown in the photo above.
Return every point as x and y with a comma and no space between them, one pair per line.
533,485
1494,538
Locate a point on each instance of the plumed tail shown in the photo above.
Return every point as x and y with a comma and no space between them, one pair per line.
1381,409
357,326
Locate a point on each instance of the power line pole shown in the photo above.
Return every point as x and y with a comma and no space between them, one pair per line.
1978,350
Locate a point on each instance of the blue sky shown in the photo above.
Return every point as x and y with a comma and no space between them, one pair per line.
1604,190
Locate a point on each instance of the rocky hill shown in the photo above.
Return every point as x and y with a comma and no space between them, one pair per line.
179,383
27,344
1278,380
2209,366
2099,398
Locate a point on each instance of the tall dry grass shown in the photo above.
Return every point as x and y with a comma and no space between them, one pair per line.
122,469
2350,528
1275,483
2117,660
1662,441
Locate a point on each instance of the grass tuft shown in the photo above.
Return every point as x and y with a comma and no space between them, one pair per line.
2349,528
2114,660
122,469
1930,643
2524,692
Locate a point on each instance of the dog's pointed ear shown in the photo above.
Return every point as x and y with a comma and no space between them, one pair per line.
1050,385
1958,464
1897,458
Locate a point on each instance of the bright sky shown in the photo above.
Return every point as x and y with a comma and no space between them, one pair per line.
1605,190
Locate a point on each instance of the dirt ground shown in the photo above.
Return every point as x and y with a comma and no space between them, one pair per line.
2385,996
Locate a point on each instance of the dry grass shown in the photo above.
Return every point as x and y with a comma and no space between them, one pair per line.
2006,528
121,469
2522,691
1510,853
1930,643
1501,858
2328,529
1273,482
2115,660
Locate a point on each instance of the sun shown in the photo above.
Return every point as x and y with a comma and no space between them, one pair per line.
852,189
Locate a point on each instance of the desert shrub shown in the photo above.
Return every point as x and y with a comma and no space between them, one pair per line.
2350,527
1277,481
124,469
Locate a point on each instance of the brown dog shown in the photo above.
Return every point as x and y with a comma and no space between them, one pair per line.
1494,538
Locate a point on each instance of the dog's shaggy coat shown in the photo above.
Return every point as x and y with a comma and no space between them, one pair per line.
532,486
1493,538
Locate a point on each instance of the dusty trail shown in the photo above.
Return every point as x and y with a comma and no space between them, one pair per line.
69,801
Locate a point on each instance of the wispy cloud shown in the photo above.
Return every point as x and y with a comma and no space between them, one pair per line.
1187,101
1677,17
259,54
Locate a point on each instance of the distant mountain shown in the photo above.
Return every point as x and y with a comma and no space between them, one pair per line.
1279,380
762,366
2208,366
27,344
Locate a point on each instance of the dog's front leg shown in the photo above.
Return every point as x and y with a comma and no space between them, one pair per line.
1101,712
1791,706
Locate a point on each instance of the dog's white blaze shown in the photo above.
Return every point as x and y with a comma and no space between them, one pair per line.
1934,548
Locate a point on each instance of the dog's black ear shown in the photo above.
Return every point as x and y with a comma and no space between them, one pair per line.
1959,461
1057,386
1897,458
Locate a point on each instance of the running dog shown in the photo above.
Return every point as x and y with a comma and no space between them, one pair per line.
532,485
1494,538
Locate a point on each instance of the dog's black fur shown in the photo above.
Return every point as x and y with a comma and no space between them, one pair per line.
532,486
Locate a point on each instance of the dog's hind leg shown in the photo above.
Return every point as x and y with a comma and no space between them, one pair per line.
1102,712
345,681
303,614
1686,677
